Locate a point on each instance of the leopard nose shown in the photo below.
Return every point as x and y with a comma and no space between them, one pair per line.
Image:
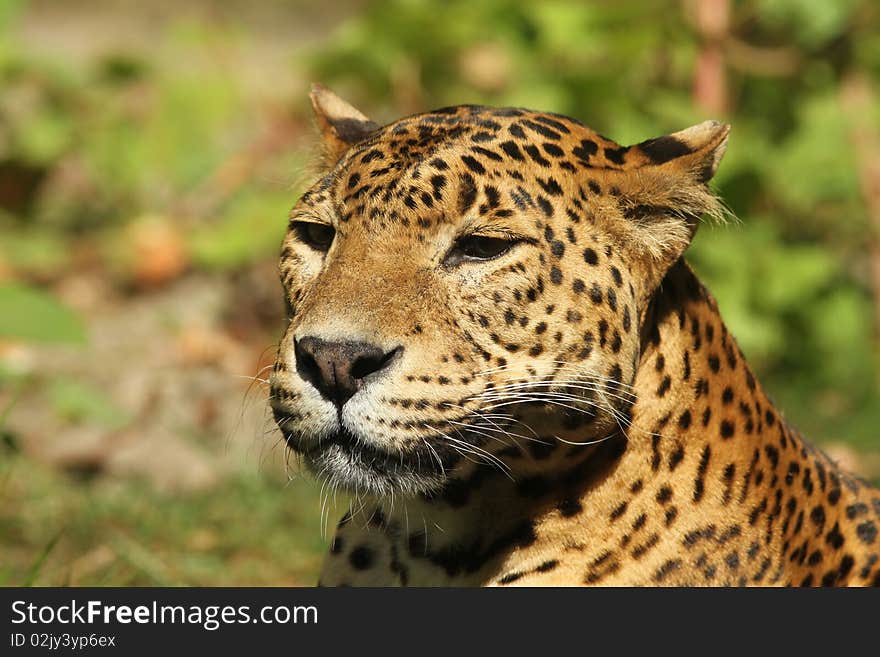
340,369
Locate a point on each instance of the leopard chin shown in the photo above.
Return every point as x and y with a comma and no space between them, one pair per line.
346,462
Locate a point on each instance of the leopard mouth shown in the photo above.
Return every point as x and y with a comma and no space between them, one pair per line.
349,463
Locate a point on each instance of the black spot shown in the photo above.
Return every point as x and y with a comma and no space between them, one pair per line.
618,511
585,150
492,155
846,564
361,558
550,186
756,511
553,150
510,577
663,149
492,196
467,194
553,122
817,515
615,374
727,475
535,154
615,154
693,537
664,386
640,550
369,156
732,560
611,295
617,342
855,510
684,420
546,206
834,538
867,532
541,130
727,429
669,566
569,507
590,257
512,150
473,164
615,274
547,566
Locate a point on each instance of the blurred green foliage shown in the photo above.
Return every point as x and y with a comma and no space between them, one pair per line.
123,533
33,315
93,145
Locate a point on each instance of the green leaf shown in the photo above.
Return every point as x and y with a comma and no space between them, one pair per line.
10,11
33,315
809,21
37,566
80,402
252,228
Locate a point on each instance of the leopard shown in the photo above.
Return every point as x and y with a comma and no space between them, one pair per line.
495,348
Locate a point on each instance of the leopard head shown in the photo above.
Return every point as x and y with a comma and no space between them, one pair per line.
466,286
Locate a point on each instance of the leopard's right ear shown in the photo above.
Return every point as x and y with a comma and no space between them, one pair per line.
341,124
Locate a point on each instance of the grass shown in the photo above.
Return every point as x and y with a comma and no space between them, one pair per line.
251,530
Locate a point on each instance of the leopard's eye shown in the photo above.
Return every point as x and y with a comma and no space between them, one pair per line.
317,236
478,248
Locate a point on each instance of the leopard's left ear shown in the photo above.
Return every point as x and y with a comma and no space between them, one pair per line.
664,190
694,151
341,124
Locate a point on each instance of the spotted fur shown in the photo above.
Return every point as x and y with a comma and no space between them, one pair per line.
568,411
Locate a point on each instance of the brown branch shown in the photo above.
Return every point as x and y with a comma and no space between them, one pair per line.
712,22
859,102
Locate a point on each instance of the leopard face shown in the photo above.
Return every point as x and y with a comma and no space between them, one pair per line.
465,289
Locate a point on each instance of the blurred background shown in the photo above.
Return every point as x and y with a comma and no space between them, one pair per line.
149,153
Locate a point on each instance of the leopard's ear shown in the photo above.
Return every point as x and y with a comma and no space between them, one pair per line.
695,151
664,191
341,124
